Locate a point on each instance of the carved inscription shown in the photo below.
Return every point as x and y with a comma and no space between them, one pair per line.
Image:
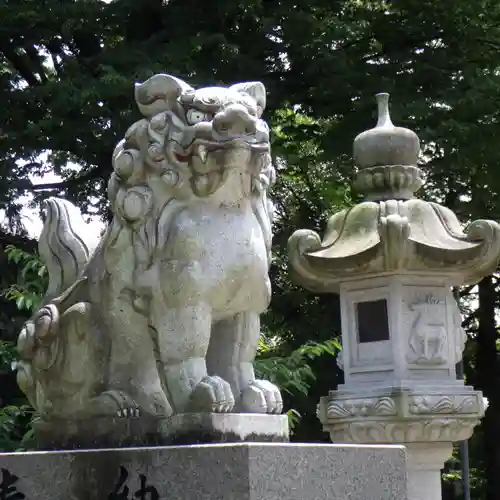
122,491
8,489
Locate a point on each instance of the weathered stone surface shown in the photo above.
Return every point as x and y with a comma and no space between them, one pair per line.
214,472
179,429
386,145
164,316
442,414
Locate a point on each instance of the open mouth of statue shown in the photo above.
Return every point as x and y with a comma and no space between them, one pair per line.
201,148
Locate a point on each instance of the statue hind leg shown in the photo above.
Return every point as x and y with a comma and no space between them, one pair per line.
231,354
134,377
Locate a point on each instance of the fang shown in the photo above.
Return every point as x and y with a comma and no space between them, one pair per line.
202,153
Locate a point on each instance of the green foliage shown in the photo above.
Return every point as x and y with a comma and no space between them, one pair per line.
292,372
7,354
13,433
14,417
29,289
16,433
453,479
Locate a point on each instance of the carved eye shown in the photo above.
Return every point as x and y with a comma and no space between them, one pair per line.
195,116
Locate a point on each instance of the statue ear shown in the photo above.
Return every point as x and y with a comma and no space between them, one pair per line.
159,93
256,90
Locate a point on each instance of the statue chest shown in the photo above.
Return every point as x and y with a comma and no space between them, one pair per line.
220,240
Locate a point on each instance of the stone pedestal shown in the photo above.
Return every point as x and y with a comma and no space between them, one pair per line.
401,416
424,464
180,429
426,422
211,472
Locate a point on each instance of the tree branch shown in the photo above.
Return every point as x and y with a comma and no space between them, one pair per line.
27,185
19,64
56,49
471,318
492,43
34,57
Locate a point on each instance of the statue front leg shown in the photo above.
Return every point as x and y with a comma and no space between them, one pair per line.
231,354
183,337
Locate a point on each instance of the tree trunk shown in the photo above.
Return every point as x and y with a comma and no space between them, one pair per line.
487,373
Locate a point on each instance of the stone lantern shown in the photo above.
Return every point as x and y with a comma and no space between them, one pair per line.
394,259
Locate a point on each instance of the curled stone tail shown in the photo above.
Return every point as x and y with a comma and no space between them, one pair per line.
63,245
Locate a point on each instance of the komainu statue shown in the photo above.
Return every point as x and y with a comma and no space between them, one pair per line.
163,317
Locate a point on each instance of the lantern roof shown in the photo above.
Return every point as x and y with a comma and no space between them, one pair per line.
391,231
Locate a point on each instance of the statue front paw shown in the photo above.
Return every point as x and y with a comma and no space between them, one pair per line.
262,396
212,394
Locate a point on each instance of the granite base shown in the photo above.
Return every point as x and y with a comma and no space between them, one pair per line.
180,429
211,472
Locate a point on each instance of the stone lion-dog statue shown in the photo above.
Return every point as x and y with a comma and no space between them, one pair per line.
163,316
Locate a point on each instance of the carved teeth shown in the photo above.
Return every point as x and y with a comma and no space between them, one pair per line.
202,153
